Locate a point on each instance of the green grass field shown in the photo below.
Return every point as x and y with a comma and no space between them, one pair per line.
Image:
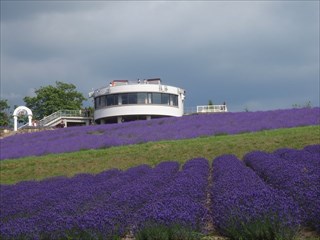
95,161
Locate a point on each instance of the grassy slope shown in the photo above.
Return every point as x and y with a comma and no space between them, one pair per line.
94,161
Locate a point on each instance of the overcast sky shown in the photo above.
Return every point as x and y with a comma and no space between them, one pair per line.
259,55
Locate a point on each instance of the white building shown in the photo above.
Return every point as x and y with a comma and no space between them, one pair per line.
124,101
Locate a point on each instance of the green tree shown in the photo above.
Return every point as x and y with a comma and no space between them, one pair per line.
306,105
4,115
210,104
50,99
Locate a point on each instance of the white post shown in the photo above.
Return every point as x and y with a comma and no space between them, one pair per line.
15,119
30,120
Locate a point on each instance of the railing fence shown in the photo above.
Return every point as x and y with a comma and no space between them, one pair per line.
205,109
63,113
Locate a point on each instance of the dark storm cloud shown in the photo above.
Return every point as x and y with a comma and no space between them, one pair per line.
25,10
260,55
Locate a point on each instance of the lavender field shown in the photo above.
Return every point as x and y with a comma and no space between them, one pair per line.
104,136
266,196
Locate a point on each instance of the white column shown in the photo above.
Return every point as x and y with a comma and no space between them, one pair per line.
15,122
148,117
30,120
119,119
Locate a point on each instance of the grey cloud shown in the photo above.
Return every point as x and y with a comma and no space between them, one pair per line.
239,52
18,10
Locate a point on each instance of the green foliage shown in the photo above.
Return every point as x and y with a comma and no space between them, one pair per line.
4,115
260,229
50,99
23,119
210,103
162,232
76,233
306,105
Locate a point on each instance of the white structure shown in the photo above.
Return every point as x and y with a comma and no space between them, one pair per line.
212,108
22,110
124,101
66,118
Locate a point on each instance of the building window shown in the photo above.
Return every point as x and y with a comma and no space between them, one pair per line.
124,98
112,99
96,103
149,101
142,98
173,100
99,102
156,98
165,98
133,98
136,98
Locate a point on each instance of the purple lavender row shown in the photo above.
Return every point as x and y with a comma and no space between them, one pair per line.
58,205
296,175
111,217
131,193
315,148
181,203
306,160
103,136
131,197
243,205
27,198
101,212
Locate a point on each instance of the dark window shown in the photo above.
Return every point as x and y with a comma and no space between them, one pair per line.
96,103
103,101
173,100
149,98
136,98
156,98
116,99
142,98
112,99
165,98
133,98
124,98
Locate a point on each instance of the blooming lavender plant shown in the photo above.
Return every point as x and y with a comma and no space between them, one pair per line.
308,161
243,206
110,204
295,172
181,203
57,206
103,136
315,148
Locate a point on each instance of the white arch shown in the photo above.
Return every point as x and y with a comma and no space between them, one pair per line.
16,113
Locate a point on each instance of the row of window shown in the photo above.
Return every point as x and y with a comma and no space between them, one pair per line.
136,98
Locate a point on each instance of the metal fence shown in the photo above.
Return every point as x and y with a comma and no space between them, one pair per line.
205,109
61,114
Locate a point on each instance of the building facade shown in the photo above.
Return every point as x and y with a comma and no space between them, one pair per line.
124,101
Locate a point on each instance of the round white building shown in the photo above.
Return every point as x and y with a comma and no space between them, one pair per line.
124,101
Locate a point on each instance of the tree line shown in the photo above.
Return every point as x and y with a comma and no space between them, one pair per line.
47,100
